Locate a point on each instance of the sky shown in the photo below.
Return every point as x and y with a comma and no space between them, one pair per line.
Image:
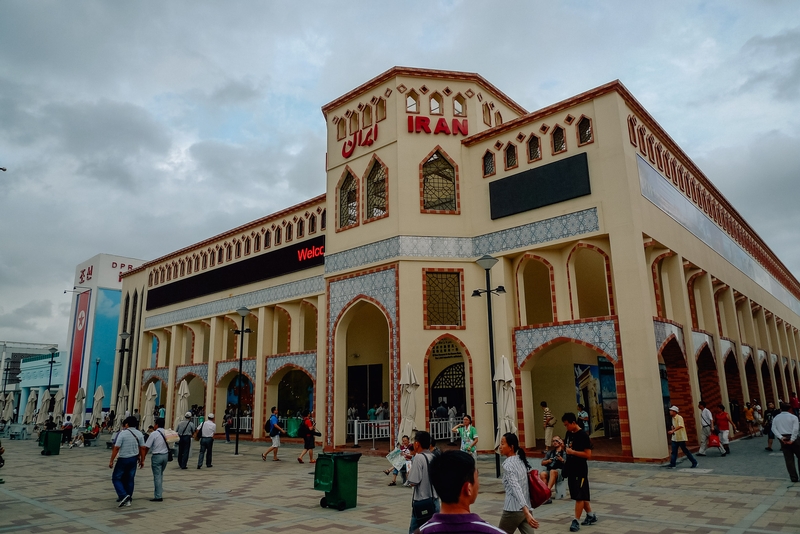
138,128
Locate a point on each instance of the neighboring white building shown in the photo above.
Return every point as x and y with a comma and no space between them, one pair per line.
94,314
19,377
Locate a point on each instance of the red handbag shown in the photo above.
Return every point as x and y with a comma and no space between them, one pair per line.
713,441
538,490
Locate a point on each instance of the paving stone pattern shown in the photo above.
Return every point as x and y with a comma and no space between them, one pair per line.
72,492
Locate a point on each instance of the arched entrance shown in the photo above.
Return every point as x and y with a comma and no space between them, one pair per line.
733,381
566,373
675,386
295,393
448,374
708,378
769,392
535,286
362,343
229,388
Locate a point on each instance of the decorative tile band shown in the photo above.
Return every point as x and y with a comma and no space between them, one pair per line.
664,330
601,334
160,373
309,286
306,361
569,225
248,368
199,369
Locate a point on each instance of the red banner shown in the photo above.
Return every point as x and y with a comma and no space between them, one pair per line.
78,344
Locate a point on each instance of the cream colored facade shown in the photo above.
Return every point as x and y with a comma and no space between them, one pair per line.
627,274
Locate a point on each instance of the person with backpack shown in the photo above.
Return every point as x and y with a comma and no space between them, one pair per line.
517,513
425,500
576,470
273,428
307,431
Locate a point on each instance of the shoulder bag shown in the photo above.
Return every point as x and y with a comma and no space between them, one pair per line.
169,449
199,432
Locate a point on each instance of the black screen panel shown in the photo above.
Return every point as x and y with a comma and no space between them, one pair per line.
535,188
293,258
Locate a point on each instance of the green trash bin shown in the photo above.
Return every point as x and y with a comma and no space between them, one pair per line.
292,425
51,442
337,475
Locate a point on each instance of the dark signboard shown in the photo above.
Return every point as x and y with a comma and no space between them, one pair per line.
549,184
289,259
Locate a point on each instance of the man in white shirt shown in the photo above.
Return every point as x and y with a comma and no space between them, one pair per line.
786,427
706,425
159,454
128,451
185,430
207,430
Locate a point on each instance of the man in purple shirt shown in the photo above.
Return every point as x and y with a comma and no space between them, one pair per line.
454,475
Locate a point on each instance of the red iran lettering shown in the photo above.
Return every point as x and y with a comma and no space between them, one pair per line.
422,124
411,125
442,127
460,127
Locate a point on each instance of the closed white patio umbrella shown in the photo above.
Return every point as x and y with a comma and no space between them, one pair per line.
408,403
506,400
8,410
122,407
30,407
58,407
79,409
97,406
149,406
44,408
2,403
183,402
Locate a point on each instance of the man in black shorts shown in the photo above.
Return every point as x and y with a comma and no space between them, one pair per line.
576,470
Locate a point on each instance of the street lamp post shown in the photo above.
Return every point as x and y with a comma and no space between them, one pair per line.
53,351
243,312
96,369
486,262
122,376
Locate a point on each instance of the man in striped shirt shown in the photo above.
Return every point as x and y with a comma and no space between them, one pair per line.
549,422
454,475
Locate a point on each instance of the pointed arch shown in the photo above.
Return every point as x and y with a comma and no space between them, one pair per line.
570,269
438,180
467,360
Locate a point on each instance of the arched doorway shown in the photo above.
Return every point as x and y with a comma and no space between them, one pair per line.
295,393
362,343
675,386
769,392
448,374
708,378
229,388
733,381
591,293
535,285
566,373
240,385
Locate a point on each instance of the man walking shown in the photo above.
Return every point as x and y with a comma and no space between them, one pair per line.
207,430
678,433
549,422
576,469
128,451
275,432
706,425
769,416
786,427
159,454
424,501
185,430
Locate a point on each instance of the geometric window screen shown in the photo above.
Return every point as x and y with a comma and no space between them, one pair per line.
438,184
348,202
376,191
443,291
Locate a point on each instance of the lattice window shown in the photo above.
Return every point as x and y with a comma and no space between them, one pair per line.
559,140
445,348
438,184
443,298
451,378
348,202
488,164
376,191
585,130
511,156
534,148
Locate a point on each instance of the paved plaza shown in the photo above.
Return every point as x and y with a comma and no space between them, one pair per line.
748,491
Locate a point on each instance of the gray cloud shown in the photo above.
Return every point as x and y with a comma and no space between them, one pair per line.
776,61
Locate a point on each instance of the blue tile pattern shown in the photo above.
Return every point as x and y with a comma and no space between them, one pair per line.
568,225
199,369
664,330
306,361
248,368
698,338
161,374
382,287
601,334
269,295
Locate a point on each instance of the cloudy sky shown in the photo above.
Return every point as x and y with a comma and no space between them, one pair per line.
136,128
